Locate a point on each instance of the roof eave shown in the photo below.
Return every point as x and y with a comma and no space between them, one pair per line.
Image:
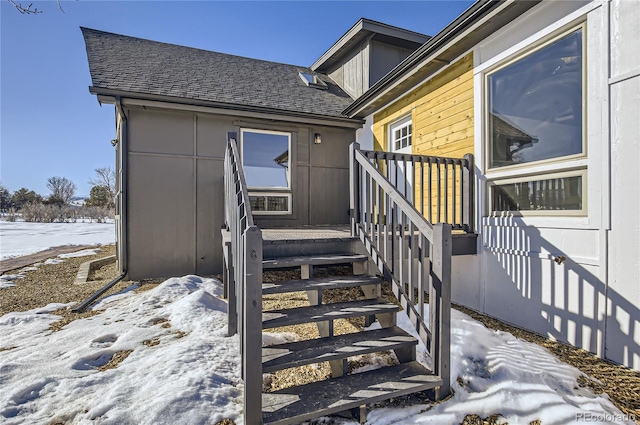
360,31
471,26
109,96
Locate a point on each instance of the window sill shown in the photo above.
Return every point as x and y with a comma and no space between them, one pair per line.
525,170
542,222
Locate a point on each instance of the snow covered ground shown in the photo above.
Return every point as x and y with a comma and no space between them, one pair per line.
183,369
21,238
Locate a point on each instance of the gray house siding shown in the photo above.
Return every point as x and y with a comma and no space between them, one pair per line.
175,186
383,58
352,74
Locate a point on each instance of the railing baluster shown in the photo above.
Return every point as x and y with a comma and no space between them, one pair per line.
402,249
380,206
386,229
438,196
446,192
430,188
454,201
421,186
367,202
406,180
393,238
411,254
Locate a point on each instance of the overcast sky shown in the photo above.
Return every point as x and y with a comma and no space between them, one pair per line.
52,126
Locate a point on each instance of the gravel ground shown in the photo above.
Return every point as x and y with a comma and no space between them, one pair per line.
53,283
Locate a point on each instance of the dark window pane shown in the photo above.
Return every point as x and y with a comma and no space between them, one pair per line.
258,203
265,157
536,105
563,193
269,203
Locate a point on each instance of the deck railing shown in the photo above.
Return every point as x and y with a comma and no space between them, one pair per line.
242,246
442,189
413,255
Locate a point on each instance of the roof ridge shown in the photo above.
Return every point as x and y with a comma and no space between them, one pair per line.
306,68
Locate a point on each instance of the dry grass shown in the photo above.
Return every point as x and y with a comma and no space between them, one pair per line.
52,283
117,358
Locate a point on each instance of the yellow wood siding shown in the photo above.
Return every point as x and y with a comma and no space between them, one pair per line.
442,114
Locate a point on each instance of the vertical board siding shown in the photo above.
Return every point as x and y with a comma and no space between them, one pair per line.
442,115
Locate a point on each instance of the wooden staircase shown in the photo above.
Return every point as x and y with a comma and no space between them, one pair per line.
343,391
391,236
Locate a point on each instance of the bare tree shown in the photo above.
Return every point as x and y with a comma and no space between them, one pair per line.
29,9
61,188
105,176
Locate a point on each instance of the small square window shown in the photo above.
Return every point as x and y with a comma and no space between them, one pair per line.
400,134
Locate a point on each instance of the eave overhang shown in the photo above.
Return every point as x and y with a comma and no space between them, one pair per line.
479,21
363,29
110,96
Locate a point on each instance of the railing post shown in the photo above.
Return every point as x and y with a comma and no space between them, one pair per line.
468,195
441,306
252,326
354,189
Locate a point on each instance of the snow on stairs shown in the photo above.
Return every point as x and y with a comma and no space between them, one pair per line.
343,391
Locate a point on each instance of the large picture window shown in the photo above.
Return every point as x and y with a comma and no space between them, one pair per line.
536,104
535,121
267,171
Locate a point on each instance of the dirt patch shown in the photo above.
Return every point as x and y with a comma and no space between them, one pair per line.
151,342
118,357
6,349
477,420
51,283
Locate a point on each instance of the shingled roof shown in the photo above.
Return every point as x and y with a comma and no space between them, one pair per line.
135,65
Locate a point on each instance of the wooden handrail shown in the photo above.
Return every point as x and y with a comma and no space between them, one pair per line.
242,247
420,222
413,254
446,184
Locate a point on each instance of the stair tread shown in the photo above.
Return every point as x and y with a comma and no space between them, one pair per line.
294,354
297,404
315,284
324,312
323,259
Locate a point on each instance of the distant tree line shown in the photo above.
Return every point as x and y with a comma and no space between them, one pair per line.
58,207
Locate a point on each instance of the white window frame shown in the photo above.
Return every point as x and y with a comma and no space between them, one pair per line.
564,166
273,195
538,177
405,121
271,191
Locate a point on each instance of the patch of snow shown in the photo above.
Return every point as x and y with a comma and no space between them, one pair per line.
6,280
184,369
503,375
273,338
21,238
83,253
53,261
29,269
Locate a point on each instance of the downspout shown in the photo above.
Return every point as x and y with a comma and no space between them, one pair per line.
124,185
123,216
